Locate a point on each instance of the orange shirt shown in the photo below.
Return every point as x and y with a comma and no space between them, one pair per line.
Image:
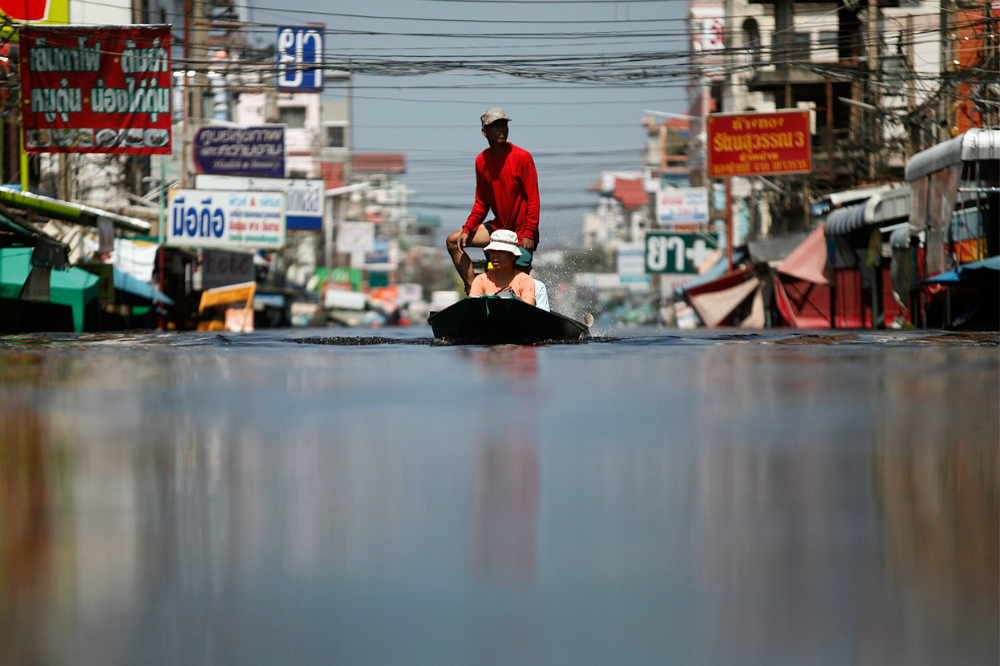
485,284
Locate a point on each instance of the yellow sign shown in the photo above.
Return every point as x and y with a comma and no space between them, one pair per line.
36,11
105,280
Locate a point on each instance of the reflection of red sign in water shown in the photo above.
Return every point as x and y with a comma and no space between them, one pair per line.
758,144
26,10
88,90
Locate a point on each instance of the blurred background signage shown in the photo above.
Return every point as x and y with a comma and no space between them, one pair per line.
303,197
680,205
355,237
220,268
677,253
36,11
213,218
298,48
101,90
759,144
241,151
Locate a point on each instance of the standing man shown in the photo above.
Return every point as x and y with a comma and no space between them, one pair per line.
507,185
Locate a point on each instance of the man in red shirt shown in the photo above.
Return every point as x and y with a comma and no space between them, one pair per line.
507,185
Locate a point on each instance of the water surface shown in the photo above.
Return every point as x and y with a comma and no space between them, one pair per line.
647,497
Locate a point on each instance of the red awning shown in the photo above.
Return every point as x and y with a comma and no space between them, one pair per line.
807,261
630,193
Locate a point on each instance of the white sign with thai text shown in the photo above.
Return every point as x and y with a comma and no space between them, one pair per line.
214,218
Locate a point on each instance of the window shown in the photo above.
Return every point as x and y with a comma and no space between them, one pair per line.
827,40
751,40
895,70
334,137
293,116
799,46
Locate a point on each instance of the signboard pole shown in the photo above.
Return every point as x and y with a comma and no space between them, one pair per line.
729,221
24,160
162,227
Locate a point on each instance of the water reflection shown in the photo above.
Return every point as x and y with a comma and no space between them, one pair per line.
715,505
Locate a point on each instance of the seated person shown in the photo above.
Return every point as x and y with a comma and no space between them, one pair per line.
541,294
503,251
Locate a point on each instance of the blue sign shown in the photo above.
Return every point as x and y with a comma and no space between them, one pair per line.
303,198
241,151
300,59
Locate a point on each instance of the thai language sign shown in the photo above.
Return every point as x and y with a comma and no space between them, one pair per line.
212,218
758,144
241,151
682,204
303,198
297,49
96,89
678,253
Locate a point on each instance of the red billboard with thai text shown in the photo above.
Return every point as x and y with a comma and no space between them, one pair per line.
96,89
759,144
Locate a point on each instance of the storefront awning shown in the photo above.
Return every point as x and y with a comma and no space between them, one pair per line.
68,211
977,144
968,272
136,287
845,220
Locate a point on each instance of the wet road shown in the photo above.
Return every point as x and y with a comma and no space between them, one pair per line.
670,499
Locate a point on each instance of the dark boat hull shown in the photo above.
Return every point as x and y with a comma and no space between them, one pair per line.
493,321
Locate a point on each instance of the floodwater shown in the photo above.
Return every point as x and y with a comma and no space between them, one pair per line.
664,498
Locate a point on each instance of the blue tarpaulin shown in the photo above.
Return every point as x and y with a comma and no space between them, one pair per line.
136,287
967,272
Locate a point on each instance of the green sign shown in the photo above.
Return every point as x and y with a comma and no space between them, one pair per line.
668,252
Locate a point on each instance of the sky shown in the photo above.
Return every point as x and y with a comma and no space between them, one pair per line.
574,128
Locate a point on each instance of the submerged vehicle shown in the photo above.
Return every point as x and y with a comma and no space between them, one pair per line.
491,320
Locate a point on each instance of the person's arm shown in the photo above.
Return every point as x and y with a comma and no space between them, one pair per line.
524,287
478,286
481,206
528,232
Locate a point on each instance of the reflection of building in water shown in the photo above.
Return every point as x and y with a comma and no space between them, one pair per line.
880,546
26,539
937,483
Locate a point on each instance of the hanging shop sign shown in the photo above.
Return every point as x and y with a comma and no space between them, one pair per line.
759,144
677,253
220,268
215,218
681,205
241,151
355,237
303,198
96,89
300,59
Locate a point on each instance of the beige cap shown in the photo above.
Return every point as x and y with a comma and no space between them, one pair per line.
493,115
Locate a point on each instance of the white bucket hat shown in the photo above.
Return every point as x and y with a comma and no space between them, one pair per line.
504,239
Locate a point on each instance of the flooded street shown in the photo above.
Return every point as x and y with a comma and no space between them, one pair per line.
667,497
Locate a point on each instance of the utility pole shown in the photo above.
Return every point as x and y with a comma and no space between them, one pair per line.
199,56
943,115
875,154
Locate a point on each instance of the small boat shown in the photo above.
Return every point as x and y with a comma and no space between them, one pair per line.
493,321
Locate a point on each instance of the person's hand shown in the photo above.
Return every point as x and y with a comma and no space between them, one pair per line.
463,238
528,244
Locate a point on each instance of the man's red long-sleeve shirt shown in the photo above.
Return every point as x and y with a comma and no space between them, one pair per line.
507,184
